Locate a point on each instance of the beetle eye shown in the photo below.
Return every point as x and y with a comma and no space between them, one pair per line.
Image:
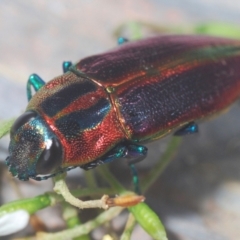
51,158
24,118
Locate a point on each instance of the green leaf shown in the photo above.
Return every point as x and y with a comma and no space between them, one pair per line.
5,127
31,205
218,29
149,221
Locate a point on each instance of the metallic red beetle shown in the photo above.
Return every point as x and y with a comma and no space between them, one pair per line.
106,106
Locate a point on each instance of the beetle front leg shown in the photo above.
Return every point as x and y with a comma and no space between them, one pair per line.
34,81
133,152
119,151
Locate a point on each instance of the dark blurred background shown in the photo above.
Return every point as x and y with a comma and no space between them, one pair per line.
198,196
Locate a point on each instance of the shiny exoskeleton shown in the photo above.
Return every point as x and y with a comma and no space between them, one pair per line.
106,106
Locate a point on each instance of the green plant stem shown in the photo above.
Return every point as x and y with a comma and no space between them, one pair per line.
32,205
84,229
70,215
127,233
90,179
162,163
110,179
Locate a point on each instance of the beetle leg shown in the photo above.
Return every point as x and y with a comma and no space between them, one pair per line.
135,179
34,81
190,128
119,151
134,153
122,40
66,65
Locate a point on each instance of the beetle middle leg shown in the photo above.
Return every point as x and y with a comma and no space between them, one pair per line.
136,153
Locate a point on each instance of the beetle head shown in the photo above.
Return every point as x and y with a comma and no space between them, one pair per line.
34,149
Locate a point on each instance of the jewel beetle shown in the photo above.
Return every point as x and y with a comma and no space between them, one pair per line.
106,106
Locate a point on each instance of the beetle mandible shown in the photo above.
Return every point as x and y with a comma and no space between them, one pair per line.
106,106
